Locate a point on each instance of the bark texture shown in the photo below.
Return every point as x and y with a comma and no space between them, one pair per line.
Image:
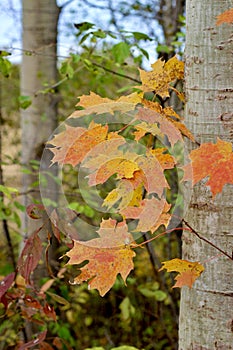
39,69
206,319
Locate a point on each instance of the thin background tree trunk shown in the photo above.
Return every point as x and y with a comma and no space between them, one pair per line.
39,69
206,318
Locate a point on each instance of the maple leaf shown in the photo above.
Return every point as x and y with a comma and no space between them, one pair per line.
92,100
152,174
167,128
73,144
165,159
108,256
225,17
215,161
30,256
188,271
162,74
171,115
122,167
94,103
150,214
125,194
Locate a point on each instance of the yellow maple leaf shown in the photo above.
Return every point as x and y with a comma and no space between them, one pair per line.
161,76
188,271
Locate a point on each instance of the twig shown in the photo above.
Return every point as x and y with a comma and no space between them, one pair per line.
206,240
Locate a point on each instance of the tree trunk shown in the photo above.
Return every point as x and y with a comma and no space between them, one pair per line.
39,69
206,319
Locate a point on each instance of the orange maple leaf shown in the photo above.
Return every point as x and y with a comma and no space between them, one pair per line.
225,17
108,256
150,214
215,161
73,144
94,103
188,271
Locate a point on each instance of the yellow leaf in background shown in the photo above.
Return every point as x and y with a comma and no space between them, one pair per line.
188,271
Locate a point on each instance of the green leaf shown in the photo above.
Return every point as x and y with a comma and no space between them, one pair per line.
160,295
8,191
19,206
120,52
145,53
163,48
127,309
58,298
83,26
75,57
4,53
67,70
141,36
99,34
5,67
24,101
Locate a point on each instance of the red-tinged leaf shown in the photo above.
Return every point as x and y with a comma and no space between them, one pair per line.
72,149
35,211
49,312
188,271
30,256
40,337
166,127
61,344
225,17
215,161
108,256
150,214
62,220
45,346
6,283
32,302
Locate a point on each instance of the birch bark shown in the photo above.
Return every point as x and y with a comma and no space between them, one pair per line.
206,319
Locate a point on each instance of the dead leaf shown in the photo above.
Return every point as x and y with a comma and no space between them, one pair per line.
30,256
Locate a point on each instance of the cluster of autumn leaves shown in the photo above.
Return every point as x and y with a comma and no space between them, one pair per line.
130,153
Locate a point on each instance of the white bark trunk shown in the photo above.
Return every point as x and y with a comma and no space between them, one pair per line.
206,318
39,67
40,20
